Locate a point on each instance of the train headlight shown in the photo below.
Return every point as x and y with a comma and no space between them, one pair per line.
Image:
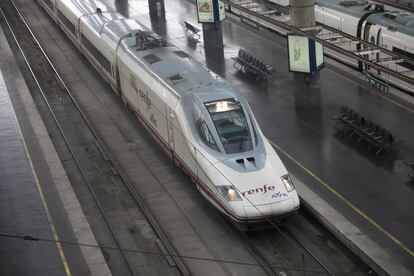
287,181
229,192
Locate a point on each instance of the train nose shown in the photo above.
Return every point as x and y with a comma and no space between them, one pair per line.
270,209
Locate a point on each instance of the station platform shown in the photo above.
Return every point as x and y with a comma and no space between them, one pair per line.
36,198
372,193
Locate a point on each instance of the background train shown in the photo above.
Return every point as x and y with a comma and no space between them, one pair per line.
202,122
392,30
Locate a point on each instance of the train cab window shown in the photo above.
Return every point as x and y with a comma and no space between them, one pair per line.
206,136
231,125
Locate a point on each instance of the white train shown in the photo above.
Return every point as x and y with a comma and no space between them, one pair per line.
392,30
205,126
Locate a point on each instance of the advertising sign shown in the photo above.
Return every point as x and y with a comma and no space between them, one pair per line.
205,11
299,54
305,55
210,11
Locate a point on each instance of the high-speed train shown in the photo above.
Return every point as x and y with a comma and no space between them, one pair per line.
202,122
366,20
393,30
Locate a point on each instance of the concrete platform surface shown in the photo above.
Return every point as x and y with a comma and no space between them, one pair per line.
36,197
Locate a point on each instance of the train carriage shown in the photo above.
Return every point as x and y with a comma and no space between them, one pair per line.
202,122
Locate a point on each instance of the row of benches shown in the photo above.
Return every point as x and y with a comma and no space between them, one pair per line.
356,125
246,62
192,29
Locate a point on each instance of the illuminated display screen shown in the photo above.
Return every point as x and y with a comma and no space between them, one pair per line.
205,11
319,55
299,54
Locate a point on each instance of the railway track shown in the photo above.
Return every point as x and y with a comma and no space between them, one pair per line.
252,241
87,149
51,86
99,146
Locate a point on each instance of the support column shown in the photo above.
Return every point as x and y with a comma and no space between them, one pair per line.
306,87
302,13
213,35
156,8
122,7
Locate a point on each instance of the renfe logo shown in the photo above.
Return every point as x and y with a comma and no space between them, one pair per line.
259,190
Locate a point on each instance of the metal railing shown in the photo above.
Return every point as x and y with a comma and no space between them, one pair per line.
387,63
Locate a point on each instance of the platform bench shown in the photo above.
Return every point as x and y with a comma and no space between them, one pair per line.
192,29
356,125
246,62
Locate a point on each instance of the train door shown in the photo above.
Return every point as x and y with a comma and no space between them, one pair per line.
169,113
379,42
366,37
363,33
367,29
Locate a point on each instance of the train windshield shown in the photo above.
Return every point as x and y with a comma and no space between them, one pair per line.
231,124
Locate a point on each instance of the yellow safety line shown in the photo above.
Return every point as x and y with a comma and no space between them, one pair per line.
46,209
375,92
356,209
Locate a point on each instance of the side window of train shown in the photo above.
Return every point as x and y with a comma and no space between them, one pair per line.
402,52
206,136
66,22
96,54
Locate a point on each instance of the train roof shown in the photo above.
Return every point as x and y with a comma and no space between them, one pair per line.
393,20
181,72
177,69
81,7
96,21
355,8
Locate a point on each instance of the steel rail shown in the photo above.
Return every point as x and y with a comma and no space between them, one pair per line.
75,158
333,47
181,265
289,232
260,259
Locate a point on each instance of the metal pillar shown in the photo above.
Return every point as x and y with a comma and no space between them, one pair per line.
302,14
122,7
156,8
213,35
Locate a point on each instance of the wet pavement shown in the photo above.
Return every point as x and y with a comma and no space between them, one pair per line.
296,118
21,205
35,195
